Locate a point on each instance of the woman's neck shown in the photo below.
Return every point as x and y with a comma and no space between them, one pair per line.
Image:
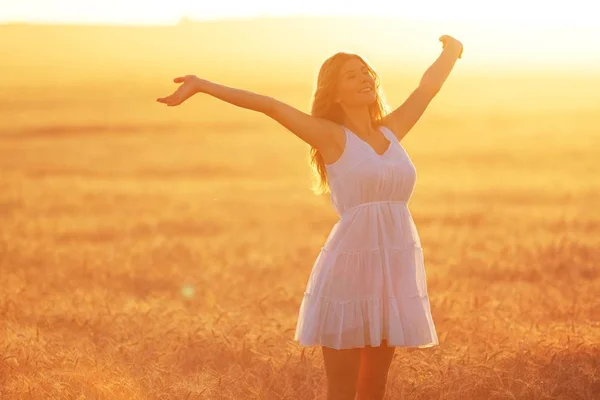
360,123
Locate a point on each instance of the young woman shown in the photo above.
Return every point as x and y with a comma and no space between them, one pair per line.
367,291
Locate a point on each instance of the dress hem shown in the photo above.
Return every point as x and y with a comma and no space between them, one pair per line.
416,346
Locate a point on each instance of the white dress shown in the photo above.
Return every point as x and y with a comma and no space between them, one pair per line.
368,282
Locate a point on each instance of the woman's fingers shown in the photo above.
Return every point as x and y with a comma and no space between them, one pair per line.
169,100
179,95
164,99
173,95
173,100
444,40
447,39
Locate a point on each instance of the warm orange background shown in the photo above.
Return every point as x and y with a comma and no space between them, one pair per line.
157,252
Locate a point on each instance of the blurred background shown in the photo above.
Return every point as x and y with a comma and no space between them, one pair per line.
149,251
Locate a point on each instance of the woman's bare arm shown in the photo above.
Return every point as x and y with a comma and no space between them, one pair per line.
318,132
403,118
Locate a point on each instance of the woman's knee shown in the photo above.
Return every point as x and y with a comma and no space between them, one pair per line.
373,391
341,368
372,386
375,364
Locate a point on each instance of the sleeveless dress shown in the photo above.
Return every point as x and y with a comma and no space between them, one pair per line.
368,282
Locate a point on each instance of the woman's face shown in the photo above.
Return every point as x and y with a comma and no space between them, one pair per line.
356,86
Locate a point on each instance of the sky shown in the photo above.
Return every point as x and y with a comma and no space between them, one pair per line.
546,31
574,13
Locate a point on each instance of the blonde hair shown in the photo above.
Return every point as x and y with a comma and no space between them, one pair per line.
324,106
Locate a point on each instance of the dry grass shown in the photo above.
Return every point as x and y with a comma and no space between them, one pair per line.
149,252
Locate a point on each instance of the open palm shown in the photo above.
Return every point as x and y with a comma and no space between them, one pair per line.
183,92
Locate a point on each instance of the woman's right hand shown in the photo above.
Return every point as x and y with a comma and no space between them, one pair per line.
191,85
450,42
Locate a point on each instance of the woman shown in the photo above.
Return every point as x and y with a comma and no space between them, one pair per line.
367,291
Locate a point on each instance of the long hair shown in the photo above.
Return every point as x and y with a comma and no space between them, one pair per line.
324,106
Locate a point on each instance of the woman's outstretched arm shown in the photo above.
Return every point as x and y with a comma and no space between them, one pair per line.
403,118
318,132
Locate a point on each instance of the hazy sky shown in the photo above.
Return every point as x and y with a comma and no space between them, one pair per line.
558,32
525,12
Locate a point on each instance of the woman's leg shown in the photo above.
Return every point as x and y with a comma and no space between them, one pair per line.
374,366
341,367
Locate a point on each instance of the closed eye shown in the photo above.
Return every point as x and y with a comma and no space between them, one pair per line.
364,70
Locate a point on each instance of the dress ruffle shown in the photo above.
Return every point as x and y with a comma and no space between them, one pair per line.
392,301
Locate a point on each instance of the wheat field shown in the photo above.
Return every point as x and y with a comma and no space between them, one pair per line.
149,252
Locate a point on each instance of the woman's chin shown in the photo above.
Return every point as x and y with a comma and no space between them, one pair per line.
371,101
370,97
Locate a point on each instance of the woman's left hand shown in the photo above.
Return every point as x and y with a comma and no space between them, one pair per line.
450,42
191,85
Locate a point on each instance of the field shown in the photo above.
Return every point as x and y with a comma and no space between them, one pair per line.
149,252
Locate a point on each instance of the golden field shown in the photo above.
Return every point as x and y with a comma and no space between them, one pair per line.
150,252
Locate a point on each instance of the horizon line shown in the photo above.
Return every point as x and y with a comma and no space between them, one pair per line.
192,20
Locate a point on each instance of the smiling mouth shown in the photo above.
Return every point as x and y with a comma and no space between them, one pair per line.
366,90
